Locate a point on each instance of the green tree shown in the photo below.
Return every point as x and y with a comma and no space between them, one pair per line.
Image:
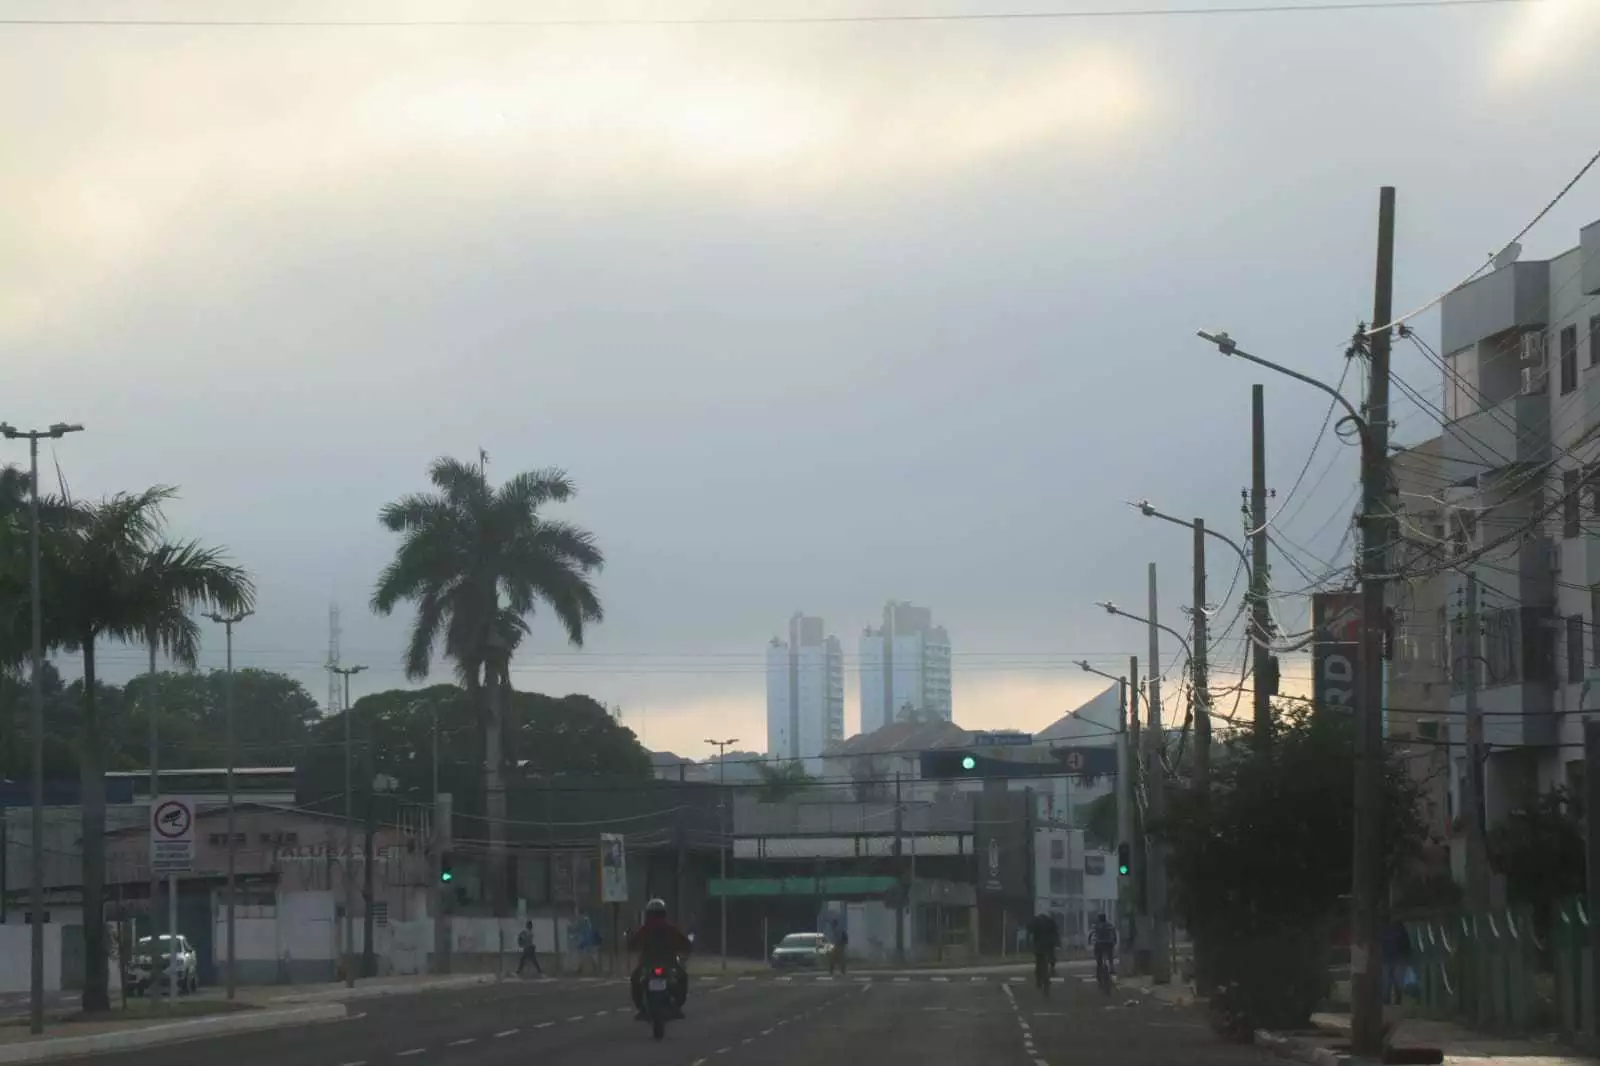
1539,848
1099,820
572,735
476,561
1261,866
273,716
781,781
115,575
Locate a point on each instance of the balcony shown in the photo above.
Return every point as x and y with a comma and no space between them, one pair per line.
1514,431
1513,298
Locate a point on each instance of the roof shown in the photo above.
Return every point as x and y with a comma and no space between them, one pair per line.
1095,723
907,737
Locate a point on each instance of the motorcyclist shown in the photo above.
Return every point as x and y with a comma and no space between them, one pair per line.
1103,937
658,943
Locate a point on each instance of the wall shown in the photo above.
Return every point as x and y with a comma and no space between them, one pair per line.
16,957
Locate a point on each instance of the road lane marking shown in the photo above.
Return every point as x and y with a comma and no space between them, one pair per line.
977,980
941,980
742,979
747,1040
576,1018
902,980
766,1032
721,988
722,1050
502,1034
463,1042
544,1025
413,1051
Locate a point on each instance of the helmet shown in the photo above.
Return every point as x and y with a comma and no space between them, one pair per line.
656,906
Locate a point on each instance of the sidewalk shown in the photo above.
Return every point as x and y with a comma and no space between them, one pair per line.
1461,1047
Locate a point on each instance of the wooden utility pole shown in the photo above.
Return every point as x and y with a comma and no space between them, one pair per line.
1473,798
1260,616
1366,999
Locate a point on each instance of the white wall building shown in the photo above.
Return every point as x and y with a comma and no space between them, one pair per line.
1521,370
905,668
805,691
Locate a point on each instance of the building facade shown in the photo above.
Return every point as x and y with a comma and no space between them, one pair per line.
1522,385
805,691
905,668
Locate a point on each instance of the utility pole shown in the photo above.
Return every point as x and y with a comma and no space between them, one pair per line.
899,852
1260,618
36,612
227,622
1124,818
349,832
443,808
1140,871
1472,805
1160,948
722,747
1366,1015
155,783
369,834
1202,681
1591,792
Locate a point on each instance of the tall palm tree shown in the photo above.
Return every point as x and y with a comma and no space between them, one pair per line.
117,577
477,561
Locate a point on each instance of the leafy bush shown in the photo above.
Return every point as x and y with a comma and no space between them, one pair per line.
1260,866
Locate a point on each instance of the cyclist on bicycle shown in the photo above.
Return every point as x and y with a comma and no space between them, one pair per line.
1103,937
1046,938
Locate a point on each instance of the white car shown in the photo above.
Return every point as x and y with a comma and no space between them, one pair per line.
148,967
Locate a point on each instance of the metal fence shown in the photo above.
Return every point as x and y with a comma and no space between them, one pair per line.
1495,972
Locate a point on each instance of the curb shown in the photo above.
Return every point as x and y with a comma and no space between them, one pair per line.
1289,1047
168,1033
340,995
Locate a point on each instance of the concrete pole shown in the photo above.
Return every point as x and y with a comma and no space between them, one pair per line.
1202,690
1125,899
1473,798
1260,616
1160,936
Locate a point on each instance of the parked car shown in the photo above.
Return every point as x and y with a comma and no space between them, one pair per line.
802,950
151,958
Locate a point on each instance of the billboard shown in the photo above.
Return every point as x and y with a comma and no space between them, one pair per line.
1336,653
613,869
1002,848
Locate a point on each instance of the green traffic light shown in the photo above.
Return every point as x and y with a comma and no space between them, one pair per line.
445,875
969,763
1123,870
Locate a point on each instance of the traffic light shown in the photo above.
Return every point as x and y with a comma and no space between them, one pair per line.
948,764
447,870
968,762
1122,860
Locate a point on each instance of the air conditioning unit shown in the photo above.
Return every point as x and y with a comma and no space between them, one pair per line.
1549,555
1533,353
1534,380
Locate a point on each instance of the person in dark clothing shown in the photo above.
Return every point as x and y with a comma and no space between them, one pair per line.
529,953
658,943
1395,946
1046,938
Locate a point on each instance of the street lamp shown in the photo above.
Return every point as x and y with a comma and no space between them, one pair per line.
228,622
36,609
722,747
1228,346
349,839
1145,508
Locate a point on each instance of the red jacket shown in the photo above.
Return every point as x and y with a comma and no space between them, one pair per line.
658,939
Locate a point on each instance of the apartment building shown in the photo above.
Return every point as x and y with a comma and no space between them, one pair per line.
905,668
1521,505
805,691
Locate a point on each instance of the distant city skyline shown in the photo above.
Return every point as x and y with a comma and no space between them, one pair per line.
805,690
905,667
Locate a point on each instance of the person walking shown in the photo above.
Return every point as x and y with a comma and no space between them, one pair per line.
529,952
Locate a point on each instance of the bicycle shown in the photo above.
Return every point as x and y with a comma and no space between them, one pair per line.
1102,972
1041,972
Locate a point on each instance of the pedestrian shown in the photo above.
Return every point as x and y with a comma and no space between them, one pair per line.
1396,950
529,953
841,947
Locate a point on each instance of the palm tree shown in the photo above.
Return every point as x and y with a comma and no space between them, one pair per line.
477,561
115,576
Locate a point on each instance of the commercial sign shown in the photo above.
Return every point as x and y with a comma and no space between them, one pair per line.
171,836
613,869
1002,847
1336,651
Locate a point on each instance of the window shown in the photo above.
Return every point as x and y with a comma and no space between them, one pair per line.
1461,383
1594,340
1571,504
1594,629
1058,881
1569,359
1058,850
1574,647
380,912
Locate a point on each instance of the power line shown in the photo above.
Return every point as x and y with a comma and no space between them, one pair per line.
1327,7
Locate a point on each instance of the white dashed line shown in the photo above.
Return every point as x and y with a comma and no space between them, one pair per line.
902,980
358,1062
941,980
977,980
722,1051
413,1051
766,1032
502,1034
720,988
576,1018
463,1042
544,1025
747,1040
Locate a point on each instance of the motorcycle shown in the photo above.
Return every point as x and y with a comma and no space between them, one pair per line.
661,1003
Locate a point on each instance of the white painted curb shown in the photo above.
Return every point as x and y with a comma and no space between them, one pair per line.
168,1033
340,995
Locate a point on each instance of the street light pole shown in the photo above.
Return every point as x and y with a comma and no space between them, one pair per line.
1124,803
722,747
36,822
228,622
349,832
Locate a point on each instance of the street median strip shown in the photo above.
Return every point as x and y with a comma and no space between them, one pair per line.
168,1033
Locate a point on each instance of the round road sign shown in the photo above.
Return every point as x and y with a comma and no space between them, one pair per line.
172,819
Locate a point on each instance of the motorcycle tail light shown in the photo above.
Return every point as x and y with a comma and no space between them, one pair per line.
660,971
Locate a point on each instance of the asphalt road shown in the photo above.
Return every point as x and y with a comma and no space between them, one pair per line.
958,1020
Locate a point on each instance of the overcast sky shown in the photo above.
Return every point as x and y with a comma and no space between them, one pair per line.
815,315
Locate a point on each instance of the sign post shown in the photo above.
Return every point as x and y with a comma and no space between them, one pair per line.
171,853
614,885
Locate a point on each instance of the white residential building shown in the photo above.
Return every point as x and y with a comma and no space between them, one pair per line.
905,668
1518,469
805,691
